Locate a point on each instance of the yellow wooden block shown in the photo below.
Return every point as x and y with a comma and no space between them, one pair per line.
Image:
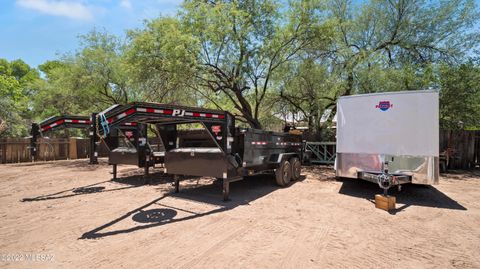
385,202
295,132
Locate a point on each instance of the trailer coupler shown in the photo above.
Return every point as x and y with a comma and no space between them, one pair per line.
385,180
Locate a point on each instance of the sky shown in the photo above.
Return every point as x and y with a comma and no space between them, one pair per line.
40,30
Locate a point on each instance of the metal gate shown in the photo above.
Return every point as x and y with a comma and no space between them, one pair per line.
322,152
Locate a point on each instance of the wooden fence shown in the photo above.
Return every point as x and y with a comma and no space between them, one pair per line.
16,150
463,148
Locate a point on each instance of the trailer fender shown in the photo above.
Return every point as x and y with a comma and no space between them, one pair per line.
278,158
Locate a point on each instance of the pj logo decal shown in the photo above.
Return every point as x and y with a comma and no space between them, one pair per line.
178,112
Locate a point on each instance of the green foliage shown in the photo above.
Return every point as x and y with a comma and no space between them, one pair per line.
17,84
10,87
98,68
307,90
460,97
265,61
381,46
57,95
160,62
242,44
91,80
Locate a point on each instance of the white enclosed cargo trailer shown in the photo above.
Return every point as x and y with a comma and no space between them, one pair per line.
388,138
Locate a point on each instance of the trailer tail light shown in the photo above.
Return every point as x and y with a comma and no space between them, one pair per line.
259,143
216,129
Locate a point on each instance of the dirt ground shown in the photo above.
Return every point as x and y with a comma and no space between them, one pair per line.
69,214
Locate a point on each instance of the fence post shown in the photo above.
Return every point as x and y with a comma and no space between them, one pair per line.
4,151
93,139
72,149
35,133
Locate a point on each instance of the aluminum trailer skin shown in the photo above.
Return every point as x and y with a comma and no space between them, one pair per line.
389,138
230,153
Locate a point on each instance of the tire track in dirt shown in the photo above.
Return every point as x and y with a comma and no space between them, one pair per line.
256,248
305,250
217,245
399,246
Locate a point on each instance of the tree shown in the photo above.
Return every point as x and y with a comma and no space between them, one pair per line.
241,44
308,89
90,80
98,68
382,46
160,62
10,93
59,93
17,85
397,33
460,96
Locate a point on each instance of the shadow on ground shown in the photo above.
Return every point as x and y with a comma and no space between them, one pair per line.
461,174
241,193
83,164
411,194
123,183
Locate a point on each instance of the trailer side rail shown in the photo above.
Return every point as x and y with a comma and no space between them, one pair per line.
220,124
67,121
152,112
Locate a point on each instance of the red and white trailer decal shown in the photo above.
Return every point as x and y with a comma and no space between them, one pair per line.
44,128
167,112
85,123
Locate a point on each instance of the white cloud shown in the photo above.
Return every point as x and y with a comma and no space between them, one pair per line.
126,4
69,9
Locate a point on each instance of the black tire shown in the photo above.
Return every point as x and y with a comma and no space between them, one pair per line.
296,168
283,174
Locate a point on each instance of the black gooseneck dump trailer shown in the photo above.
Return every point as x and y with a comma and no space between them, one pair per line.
223,151
79,122
55,123
127,141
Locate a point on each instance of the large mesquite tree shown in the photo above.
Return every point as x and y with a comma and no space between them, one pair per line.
241,44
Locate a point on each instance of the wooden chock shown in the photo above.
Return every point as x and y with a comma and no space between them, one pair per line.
386,203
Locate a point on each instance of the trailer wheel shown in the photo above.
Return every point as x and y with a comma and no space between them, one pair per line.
296,168
283,174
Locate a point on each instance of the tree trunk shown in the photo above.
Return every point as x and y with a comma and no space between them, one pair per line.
254,123
349,83
310,122
247,110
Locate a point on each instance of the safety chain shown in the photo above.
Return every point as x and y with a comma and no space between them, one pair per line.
104,124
